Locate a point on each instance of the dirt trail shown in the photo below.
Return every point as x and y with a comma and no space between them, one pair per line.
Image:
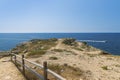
59,45
93,66
8,71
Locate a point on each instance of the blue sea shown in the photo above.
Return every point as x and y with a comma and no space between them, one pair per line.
109,42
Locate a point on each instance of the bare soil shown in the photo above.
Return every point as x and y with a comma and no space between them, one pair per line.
8,70
90,61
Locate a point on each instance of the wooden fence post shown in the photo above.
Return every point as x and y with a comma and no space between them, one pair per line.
23,65
15,60
11,57
45,70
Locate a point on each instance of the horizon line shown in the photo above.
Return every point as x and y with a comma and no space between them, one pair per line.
58,32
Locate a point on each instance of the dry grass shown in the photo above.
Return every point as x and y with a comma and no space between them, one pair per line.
66,71
35,46
58,50
30,76
53,58
37,52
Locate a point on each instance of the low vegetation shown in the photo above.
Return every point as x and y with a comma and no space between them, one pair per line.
104,67
69,41
37,52
85,43
92,55
117,65
65,69
69,58
104,53
53,58
80,49
58,50
35,47
30,76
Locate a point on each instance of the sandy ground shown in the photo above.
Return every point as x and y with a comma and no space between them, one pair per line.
95,67
8,71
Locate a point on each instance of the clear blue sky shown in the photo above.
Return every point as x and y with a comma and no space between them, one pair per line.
20,16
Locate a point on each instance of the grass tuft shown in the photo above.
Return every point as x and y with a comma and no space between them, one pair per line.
53,58
104,67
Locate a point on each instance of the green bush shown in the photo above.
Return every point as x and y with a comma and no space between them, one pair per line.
105,68
104,53
69,41
85,43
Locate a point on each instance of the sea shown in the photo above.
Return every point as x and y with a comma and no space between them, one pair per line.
109,42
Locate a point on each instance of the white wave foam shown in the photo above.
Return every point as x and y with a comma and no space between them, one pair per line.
103,41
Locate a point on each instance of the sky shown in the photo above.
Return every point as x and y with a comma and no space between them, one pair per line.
59,16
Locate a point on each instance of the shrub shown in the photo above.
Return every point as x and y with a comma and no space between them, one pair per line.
35,40
105,68
104,53
85,43
53,58
69,41
78,49
53,39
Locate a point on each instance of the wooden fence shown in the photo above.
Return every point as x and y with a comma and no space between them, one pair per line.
23,65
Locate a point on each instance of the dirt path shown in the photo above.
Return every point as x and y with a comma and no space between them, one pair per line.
59,44
8,71
92,65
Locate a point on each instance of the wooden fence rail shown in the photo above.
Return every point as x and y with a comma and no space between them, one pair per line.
24,67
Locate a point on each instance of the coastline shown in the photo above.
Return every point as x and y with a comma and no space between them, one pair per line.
70,58
10,40
89,62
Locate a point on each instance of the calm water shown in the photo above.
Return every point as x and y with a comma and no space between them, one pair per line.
109,42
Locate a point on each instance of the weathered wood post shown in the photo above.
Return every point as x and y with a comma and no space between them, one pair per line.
11,57
15,60
45,70
23,65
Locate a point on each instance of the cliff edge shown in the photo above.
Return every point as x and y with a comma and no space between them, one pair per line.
71,59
